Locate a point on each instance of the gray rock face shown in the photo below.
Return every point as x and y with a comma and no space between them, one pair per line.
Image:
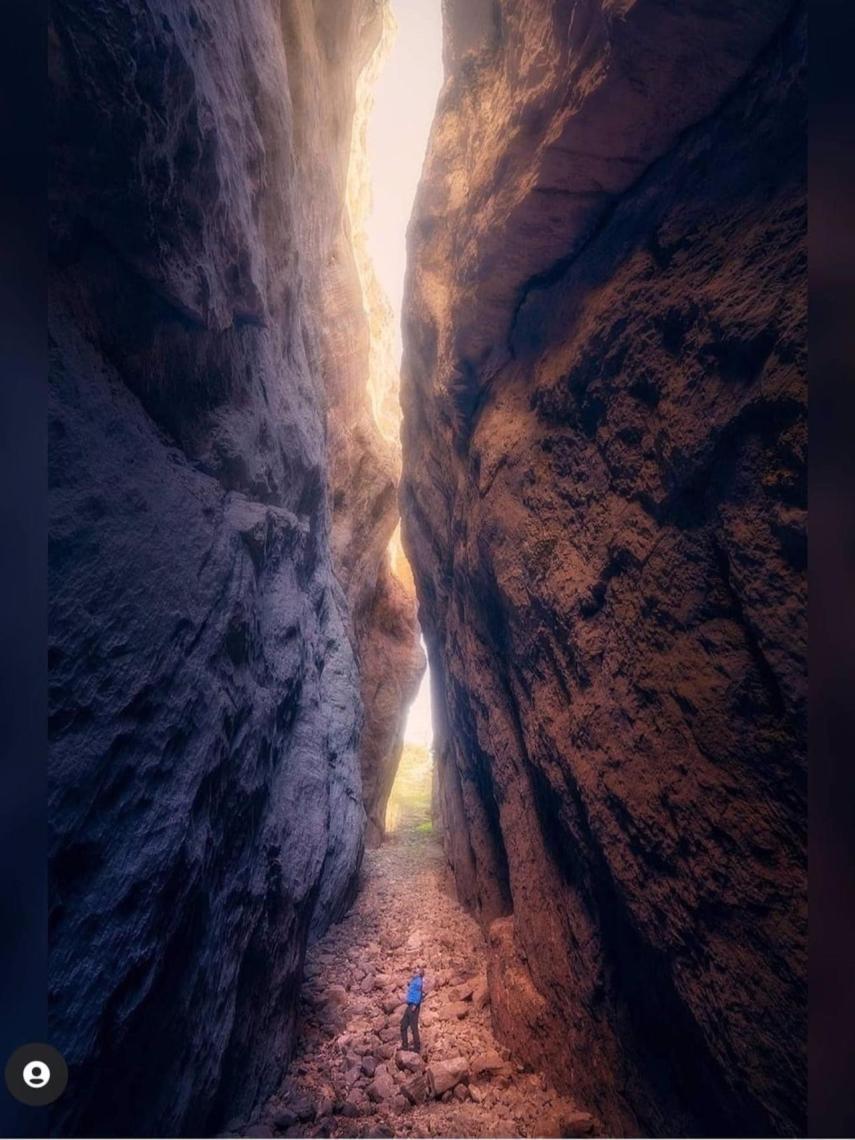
205,793
604,505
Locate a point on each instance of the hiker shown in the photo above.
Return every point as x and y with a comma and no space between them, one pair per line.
410,1020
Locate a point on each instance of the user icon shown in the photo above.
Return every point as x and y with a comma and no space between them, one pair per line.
36,1074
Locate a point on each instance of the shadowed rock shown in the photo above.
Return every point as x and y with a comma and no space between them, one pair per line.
209,660
604,505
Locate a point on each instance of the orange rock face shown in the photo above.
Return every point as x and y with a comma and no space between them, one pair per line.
604,506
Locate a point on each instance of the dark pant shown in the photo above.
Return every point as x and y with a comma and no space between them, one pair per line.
410,1020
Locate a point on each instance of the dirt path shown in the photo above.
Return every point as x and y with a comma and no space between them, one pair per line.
349,1077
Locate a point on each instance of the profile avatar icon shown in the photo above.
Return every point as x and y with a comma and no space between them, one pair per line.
36,1074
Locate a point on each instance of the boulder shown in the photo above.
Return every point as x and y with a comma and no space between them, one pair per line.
487,1063
562,1122
416,1089
481,995
336,995
465,989
453,1010
407,1059
382,1089
302,1106
324,1104
444,1075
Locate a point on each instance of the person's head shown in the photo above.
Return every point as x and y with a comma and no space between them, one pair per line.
421,971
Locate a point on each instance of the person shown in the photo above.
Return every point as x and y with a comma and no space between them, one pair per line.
410,1020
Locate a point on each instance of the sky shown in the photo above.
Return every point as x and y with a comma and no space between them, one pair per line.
418,729
404,101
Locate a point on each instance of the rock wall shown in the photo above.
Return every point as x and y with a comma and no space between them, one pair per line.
604,505
209,639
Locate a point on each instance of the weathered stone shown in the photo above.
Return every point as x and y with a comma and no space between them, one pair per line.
213,445
301,1106
406,1059
444,1075
488,1063
283,1118
382,1088
416,1088
481,995
453,1010
604,505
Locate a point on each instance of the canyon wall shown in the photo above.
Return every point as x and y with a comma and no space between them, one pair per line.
222,503
604,505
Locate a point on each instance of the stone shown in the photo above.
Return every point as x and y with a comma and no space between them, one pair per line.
283,1118
382,1088
218,652
453,1010
461,1092
560,1122
336,995
444,1075
465,989
603,501
324,1105
481,995
406,1059
488,1063
301,1106
415,1089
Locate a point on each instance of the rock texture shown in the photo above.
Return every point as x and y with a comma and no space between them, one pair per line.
350,1076
603,502
210,632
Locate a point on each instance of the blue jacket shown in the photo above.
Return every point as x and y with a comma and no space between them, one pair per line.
414,991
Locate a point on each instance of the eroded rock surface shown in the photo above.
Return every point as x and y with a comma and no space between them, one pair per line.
350,1076
603,500
207,636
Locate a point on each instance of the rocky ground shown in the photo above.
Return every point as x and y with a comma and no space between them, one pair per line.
349,1076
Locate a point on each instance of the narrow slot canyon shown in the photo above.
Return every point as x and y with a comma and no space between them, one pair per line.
428,567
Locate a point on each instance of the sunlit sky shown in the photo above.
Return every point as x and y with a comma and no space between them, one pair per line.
404,102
